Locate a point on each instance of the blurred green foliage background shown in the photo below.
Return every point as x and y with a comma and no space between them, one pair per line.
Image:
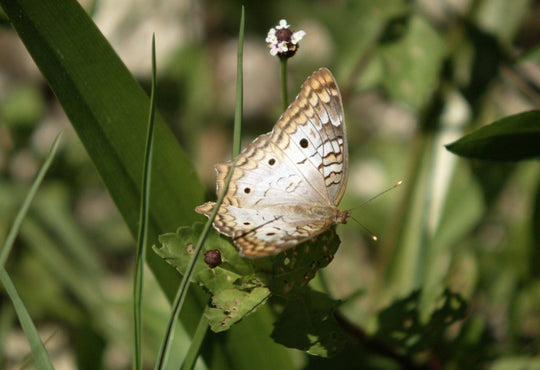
414,76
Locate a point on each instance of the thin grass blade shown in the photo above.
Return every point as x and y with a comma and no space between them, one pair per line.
36,345
143,224
238,113
10,239
39,352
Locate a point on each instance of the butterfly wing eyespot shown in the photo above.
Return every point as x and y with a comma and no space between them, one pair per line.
279,178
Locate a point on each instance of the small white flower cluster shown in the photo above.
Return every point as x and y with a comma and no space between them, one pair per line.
273,43
297,36
283,42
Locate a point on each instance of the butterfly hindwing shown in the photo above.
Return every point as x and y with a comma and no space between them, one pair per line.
315,123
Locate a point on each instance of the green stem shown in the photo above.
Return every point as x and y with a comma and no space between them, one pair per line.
284,93
238,116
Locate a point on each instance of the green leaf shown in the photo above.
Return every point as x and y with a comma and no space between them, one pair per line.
177,248
399,325
509,139
502,19
248,281
231,305
308,324
235,273
23,106
293,269
412,64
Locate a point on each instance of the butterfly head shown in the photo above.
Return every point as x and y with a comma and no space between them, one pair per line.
342,216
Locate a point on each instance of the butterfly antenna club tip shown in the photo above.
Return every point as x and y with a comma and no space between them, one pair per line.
371,235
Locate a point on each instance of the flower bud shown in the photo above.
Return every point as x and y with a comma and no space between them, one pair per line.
212,258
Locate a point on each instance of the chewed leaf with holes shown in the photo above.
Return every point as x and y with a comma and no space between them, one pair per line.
400,325
238,285
230,301
308,324
177,248
287,184
231,305
293,269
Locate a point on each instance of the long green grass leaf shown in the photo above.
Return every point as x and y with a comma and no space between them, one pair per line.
36,345
41,357
143,224
109,110
14,230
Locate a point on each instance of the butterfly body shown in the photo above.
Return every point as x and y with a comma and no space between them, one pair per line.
287,184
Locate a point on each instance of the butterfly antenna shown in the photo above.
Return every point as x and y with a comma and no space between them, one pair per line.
371,235
376,196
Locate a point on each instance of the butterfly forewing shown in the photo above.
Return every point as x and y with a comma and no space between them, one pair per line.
286,184
315,124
